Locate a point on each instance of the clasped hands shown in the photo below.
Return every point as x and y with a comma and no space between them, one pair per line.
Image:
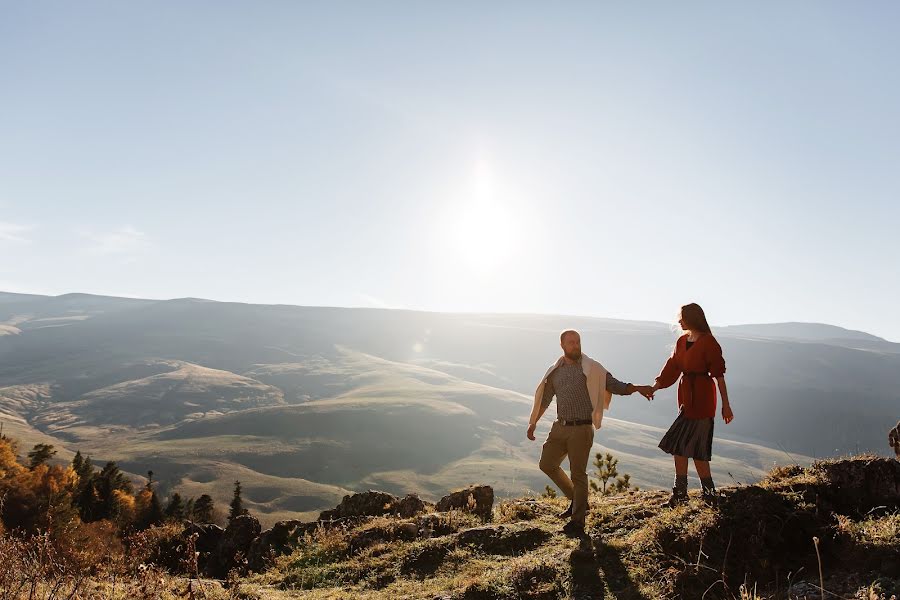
646,391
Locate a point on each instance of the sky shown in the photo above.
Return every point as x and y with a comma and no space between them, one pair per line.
602,158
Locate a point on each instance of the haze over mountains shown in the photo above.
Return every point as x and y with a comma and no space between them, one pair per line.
304,404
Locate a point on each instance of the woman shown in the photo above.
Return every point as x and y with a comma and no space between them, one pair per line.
697,358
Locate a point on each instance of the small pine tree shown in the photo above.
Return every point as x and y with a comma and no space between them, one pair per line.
622,483
40,454
85,493
607,473
77,462
85,471
549,492
237,503
154,511
604,470
175,509
203,509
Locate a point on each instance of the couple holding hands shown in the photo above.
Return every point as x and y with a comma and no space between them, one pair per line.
583,389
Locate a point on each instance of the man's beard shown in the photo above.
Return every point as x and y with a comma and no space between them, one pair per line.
574,355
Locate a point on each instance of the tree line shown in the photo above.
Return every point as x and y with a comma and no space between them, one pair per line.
36,496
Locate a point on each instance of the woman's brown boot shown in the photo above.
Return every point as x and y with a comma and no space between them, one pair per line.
679,496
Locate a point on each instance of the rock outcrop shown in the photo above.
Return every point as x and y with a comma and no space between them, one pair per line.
206,544
477,499
373,504
234,544
281,539
410,506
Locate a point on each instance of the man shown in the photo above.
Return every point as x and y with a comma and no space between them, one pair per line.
583,390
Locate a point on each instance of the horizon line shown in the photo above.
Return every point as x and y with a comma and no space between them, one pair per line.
443,312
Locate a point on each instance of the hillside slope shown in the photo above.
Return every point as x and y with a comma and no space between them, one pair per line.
760,537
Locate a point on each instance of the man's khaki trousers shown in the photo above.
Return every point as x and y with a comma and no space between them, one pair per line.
576,442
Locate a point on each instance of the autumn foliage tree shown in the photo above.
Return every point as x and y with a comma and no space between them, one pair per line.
63,500
38,497
74,519
88,515
107,482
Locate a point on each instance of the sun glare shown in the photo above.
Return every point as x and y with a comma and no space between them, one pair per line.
482,229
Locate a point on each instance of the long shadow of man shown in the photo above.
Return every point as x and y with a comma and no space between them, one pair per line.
596,567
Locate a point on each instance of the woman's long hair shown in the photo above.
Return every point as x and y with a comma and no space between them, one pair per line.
695,318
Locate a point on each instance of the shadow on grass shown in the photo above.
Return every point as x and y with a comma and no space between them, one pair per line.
597,568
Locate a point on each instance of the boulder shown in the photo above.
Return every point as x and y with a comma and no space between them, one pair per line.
281,539
371,503
410,506
208,536
408,531
206,544
234,544
478,499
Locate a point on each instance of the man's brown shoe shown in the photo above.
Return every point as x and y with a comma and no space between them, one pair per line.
573,529
566,514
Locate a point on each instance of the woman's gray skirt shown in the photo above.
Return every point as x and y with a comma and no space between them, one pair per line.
689,437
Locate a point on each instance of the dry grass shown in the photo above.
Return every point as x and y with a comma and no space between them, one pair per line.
876,532
757,545
514,511
38,568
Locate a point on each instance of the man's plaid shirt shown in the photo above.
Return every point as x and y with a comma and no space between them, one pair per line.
569,384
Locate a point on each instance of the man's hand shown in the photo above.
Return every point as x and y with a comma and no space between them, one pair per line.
530,433
727,414
646,391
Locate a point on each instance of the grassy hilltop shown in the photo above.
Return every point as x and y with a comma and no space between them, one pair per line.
760,538
761,542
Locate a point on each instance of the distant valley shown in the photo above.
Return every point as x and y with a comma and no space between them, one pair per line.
305,404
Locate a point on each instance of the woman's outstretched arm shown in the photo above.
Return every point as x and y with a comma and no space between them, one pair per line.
726,406
668,375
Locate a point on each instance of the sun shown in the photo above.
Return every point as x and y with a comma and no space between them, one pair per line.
482,228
